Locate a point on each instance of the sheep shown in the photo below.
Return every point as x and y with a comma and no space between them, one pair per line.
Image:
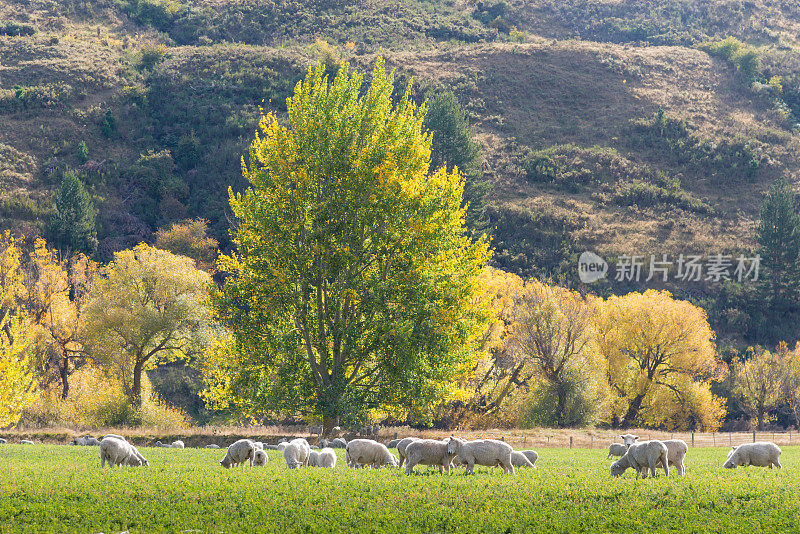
238,453
426,452
488,452
260,458
368,452
313,459
338,443
629,439
174,445
315,429
212,446
258,445
26,442
519,460
296,453
402,445
113,436
532,456
676,452
616,449
640,456
270,447
282,446
759,454
85,441
326,458
119,452
393,443
324,443
3,441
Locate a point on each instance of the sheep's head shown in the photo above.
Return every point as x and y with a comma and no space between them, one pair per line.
453,444
617,468
732,462
226,463
629,439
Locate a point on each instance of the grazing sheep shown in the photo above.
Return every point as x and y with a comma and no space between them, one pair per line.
271,447
315,429
113,436
85,441
402,445
178,444
238,453
676,452
426,452
119,452
326,458
3,441
296,453
26,442
519,460
313,459
488,452
361,452
532,456
212,446
629,439
260,458
324,443
338,443
258,445
759,454
393,443
640,456
616,449
282,446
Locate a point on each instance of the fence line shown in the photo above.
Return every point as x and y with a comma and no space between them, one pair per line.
693,439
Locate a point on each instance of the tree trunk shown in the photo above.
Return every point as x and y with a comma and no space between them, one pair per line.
633,411
63,371
136,391
328,423
760,418
561,392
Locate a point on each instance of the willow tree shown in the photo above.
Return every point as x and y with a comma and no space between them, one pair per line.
661,359
353,285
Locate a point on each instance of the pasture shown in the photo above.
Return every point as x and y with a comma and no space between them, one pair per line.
50,488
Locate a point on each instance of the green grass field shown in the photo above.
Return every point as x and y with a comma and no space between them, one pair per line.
48,488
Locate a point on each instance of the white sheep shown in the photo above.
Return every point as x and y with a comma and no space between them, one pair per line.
402,445
258,445
315,429
119,452
361,452
313,459
532,456
326,458
26,442
629,439
296,453
427,452
324,443
212,446
238,453
85,441
519,460
759,454
616,449
338,443
178,444
640,456
3,441
260,458
393,443
676,452
113,436
488,452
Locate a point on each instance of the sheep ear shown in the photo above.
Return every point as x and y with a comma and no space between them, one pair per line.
734,447
635,437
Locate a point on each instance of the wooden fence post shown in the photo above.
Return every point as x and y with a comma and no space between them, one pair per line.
754,436
692,438
570,442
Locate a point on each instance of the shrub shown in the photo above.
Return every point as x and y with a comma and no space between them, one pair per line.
17,29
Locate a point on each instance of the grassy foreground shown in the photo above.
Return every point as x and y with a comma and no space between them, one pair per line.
48,488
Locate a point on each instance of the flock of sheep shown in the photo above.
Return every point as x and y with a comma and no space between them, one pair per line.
446,454
644,456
